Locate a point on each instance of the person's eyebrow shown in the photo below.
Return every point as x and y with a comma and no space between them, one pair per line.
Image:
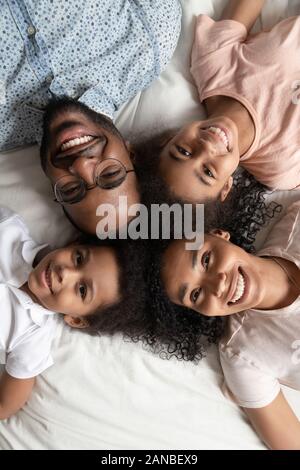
90,283
183,288
181,292
199,177
87,255
171,155
202,180
91,292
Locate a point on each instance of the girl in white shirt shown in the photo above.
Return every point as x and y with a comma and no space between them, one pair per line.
260,294
91,286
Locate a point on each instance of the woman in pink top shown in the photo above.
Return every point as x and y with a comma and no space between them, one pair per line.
248,87
261,295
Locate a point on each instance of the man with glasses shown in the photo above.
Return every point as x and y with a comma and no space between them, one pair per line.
97,55
87,161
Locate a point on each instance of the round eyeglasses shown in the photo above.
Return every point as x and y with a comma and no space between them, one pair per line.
108,174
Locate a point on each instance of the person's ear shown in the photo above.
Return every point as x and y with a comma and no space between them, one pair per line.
131,151
132,157
226,189
75,322
128,145
217,232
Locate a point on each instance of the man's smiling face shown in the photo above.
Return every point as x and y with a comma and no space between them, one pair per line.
76,143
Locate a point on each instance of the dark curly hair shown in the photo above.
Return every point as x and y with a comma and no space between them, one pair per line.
145,314
244,212
125,316
146,317
175,331
147,152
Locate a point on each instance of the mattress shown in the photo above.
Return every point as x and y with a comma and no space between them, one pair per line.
106,393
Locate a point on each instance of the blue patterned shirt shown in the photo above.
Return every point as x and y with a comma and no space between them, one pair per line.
100,52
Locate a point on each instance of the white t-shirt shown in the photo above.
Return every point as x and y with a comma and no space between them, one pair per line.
26,328
261,348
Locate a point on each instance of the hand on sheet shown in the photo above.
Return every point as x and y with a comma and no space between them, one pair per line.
13,394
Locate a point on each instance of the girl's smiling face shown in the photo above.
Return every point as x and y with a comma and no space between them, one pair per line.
198,161
76,280
218,279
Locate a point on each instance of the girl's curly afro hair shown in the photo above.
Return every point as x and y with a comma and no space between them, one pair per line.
175,331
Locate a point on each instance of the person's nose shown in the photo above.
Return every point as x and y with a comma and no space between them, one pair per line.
207,148
216,284
85,168
205,155
65,275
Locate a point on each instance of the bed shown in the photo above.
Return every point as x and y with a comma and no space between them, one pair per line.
108,393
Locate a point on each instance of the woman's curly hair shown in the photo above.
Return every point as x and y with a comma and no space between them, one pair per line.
144,313
177,331
180,332
244,212
174,331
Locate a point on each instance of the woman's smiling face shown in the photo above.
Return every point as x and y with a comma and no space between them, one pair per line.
197,163
218,279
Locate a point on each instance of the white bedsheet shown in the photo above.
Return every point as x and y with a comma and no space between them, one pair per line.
108,394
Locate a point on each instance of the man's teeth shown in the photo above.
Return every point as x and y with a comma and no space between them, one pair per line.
240,287
78,141
220,133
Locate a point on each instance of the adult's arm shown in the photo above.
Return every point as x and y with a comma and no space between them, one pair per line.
276,424
13,394
244,11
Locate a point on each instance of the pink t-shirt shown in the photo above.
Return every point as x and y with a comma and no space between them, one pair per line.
261,348
261,72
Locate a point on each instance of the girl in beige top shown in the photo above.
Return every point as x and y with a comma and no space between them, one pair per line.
261,295
248,85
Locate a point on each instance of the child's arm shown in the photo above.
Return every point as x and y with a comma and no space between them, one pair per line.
244,11
276,424
13,394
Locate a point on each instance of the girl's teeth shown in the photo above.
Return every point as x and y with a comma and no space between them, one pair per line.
220,133
239,289
74,142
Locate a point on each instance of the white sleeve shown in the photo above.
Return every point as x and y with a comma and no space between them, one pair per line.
5,213
32,355
16,246
250,386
